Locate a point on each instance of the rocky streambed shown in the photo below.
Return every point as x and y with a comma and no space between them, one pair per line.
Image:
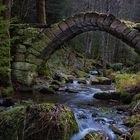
94,118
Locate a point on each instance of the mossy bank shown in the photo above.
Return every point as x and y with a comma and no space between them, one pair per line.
38,122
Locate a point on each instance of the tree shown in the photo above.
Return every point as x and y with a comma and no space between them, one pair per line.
41,12
5,14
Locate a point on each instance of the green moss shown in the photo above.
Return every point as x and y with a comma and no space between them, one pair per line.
135,135
80,73
94,136
12,123
5,92
42,121
132,121
44,70
136,97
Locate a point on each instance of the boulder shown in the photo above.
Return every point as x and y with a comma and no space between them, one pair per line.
100,81
94,136
115,129
107,96
82,81
104,81
47,90
38,122
94,80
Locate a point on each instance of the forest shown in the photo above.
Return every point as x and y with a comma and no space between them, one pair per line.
69,70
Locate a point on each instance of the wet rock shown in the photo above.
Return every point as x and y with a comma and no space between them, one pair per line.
100,80
94,80
55,87
104,81
71,90
55,82
47,90
95,136
115,129
94,114
107,96
81,115
82,81
100,120
41,122
59,77
70,79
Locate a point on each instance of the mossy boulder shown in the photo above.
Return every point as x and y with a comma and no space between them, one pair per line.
104,81
79,73
100,81
59,77
38,122
94,136
81,80
107,96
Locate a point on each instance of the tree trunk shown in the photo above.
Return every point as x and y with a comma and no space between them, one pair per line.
5,74
7,13
41,12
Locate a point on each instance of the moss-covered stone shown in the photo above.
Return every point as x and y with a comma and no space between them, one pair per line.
79,73
107,96
44,70
24,77
94,136
38,122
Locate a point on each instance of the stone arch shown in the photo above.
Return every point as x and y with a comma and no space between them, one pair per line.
89,21
54,37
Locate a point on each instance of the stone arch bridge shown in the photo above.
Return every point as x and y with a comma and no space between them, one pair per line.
28,57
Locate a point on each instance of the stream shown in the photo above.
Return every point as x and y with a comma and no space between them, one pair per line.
91,114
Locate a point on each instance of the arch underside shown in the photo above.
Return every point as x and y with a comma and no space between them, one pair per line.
84,22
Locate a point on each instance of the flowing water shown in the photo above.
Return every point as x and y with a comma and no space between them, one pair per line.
91,114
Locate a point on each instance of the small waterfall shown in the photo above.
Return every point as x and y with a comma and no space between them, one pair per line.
75,83
88,82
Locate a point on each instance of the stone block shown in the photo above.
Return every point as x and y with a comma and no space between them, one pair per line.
23,77
24,66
